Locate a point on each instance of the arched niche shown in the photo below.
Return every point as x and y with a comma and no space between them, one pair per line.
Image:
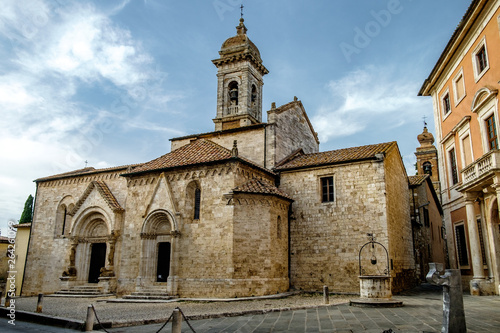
158,264
63,219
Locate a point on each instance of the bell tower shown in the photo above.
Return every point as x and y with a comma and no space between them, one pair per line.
239,87
427,158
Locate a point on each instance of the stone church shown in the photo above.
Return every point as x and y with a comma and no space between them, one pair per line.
252,208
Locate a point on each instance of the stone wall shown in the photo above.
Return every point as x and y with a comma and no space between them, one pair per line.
250,142
261,241
399,231
292,131
326,237
48,254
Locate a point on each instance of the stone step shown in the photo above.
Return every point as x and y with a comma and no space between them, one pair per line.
75,292
150,297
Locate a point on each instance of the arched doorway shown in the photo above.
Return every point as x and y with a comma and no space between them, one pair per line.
158,258
92,244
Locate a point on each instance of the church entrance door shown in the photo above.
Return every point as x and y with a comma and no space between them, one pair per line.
163,264
97,261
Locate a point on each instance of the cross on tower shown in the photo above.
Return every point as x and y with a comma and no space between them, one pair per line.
86,163
241,7
425,122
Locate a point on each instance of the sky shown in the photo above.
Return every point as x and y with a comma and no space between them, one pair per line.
110,82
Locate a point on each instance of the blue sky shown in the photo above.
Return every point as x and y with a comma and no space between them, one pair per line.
110,82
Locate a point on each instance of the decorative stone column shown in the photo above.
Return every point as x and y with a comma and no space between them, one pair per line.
474,243
69,275
107,278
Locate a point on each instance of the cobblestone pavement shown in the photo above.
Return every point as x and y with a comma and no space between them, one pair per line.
422,313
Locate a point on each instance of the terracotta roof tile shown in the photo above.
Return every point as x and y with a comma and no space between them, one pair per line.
417,180
260,187
85,171
337,156
106,193
196,152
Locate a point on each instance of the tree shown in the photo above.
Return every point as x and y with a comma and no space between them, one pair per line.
27,215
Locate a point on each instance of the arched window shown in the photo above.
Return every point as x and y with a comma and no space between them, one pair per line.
193,200
197,199
233,93
254,94
279,231
427,166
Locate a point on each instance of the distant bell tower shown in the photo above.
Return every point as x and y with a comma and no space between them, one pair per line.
427,158
239,76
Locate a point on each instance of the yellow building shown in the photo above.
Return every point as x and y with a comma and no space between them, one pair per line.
4,265
22,240
464,89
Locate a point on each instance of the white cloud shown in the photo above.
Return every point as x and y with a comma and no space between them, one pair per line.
365,98
57,49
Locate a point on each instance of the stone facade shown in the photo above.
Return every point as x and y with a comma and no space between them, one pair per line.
252,208
326,237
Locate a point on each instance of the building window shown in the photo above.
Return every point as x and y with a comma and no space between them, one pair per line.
466,150
453,166
491,130
459,87
197,200
327,189
427,166
480,60
426,217
463,257
446,103
279,228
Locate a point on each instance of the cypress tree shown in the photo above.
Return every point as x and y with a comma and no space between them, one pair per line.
27,215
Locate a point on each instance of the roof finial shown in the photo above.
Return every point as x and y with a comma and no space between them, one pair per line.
425,122
241,7
86,162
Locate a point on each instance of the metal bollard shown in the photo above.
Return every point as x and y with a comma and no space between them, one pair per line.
326,295
176,321
39,304
89,322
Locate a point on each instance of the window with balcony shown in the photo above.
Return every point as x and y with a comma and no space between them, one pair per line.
467,150
453,166
491,132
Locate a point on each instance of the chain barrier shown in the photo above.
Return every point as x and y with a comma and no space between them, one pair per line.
185,319
98,321
162,327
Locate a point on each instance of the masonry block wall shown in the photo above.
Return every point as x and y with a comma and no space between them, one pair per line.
326,237
291,131
400,242
49,249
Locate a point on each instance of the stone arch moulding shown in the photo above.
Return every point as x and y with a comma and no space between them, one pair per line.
482,96
63,219
82,220
159,229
